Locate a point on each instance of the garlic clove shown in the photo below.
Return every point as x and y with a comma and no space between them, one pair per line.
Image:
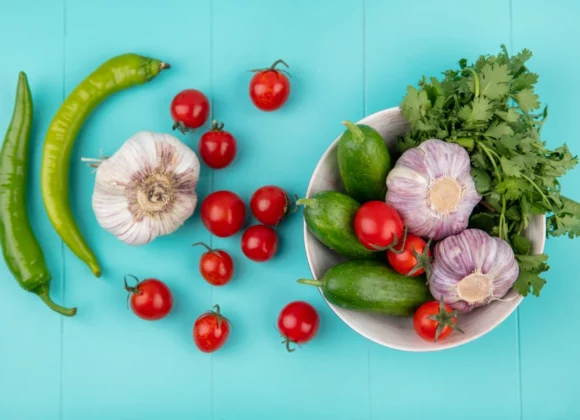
472,269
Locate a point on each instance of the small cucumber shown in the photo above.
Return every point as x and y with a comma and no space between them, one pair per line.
363,162
329,216
369,286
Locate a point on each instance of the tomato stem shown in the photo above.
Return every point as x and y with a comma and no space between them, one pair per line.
131,289
181,127
279,61
396,242
444,319
218,315
287,341
423,261
204,245
217,126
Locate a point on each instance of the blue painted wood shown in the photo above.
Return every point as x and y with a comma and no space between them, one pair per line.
348,59
29,332
548,341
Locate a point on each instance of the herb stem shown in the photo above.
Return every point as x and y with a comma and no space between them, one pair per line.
491,159
503,231
475,81
537,189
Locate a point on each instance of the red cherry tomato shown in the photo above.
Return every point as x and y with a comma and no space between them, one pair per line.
223,213
377,225
189,110
217,147
434,321
216,266
298,322
270,88
150,299
211,331
406,261
259,243
269,204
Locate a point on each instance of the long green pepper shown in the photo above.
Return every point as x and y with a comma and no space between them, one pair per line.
118,73
20,248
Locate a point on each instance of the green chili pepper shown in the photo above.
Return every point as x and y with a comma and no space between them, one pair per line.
20,248
118,73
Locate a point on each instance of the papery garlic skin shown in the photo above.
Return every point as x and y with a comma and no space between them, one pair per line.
147,188
432,189
472,269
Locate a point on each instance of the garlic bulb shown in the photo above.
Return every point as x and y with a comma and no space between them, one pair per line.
432,189
147,188
472,269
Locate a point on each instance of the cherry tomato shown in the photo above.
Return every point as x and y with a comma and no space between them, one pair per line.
189,110
217,147
150,299
298,322
216,266
407,262
269,204
270,88
377,225
211,331
259,243
223,213
435,321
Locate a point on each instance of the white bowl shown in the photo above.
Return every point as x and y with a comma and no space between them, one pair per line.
397,333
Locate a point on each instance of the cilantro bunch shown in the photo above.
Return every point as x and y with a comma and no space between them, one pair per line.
491,109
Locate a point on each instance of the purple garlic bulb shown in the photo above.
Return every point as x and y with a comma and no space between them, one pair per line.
432,189
472,269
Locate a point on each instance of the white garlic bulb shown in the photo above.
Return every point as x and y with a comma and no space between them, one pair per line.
432,189
147,188
472,269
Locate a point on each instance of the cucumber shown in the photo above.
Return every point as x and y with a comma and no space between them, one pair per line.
329,216
369,286
363,162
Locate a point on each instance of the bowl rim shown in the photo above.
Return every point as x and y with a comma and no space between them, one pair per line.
444,345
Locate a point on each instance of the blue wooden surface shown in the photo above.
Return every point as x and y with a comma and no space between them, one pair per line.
349,58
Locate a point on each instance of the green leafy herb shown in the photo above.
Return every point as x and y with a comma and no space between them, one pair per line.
490,108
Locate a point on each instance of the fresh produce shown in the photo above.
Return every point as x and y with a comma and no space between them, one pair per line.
216,266
217,147
363,162
150,299
378,226
259,243
269,204
147,188
270,88
223,213
116,74
211,330
491,109
370,286
471,269
432,189
189,110
298,323
329,216
435,321
414,259
20,248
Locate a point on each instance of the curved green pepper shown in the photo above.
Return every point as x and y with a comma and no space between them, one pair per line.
20,248
116,74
